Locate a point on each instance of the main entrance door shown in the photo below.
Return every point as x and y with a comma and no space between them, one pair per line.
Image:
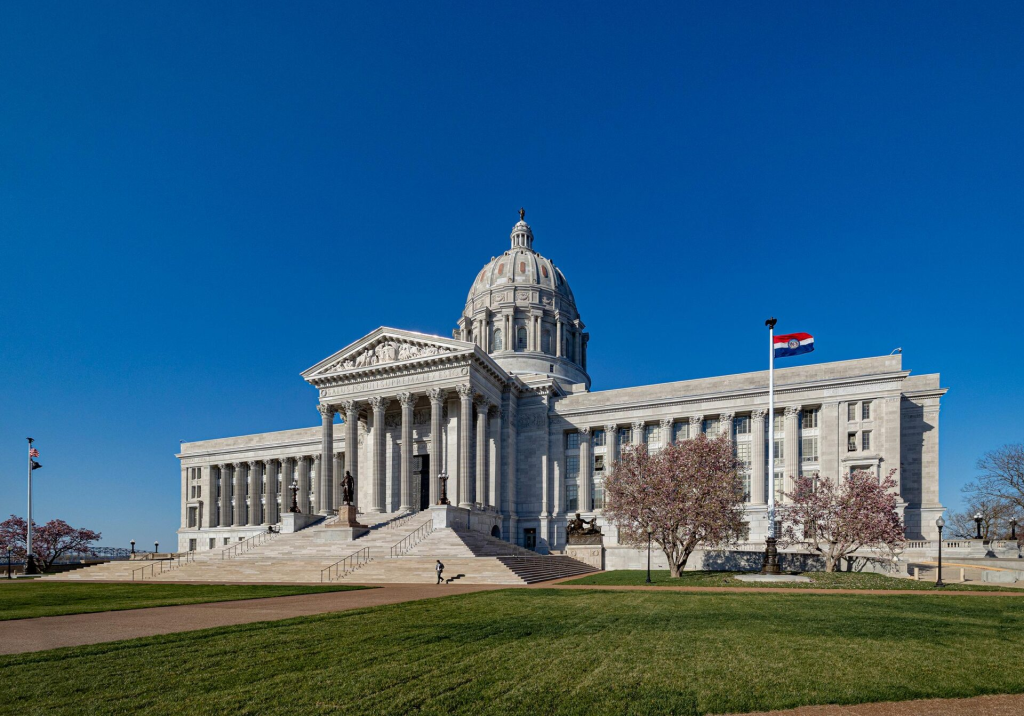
424,482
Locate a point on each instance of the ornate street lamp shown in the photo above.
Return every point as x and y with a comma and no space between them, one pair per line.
442,478
649,532
978,519
295,496
9,562
940,523
133,546
1013,528
156,548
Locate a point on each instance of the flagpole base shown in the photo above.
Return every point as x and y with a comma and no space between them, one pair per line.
30,565
771,557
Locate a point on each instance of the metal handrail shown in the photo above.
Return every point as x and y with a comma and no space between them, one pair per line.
398,522
411,540
165,565
348,564
251,543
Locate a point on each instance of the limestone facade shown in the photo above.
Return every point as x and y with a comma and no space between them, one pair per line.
503,410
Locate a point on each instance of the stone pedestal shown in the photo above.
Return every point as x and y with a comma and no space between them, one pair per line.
592,554
295,521
346,529
346,518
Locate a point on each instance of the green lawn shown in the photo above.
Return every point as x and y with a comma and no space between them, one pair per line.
820,580
23,599
547,651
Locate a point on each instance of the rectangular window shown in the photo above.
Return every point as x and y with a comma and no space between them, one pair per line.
652,436
809,419
572,441
598,464
711,427
598,495
225,540
780,451
680,431
865,410
851,442
193,516
780,423
192,494
865,440
741,425
625,436
809,449
213,542
572,498
572,467
599,440
851,411
742,451
780,487
746,486
199,491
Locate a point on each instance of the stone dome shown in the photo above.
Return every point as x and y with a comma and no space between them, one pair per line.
521,310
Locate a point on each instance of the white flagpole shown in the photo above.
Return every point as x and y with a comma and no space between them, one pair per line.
771,428
28,535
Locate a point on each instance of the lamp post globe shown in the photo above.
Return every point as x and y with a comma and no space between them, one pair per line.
940,523
132,542
156,547
978,519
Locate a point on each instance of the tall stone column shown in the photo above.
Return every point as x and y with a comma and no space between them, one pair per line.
482,406
638,432
510,450
255,482
696,425
792,447
611,442
757,457
224,474
334,493
725,425
352,446
558,336
271,512
465,449
209,497
378,488
238,494
586,477
325,473
406,400
494,431
666,432
314,484
288,476
437,398
302,467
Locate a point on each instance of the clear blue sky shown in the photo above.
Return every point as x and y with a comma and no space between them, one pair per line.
199,201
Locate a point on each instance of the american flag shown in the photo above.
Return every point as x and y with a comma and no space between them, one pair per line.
32,452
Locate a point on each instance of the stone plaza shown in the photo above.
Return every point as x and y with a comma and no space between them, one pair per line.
500,418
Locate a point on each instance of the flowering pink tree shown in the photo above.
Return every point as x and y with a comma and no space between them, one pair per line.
49,542
837,520
688,494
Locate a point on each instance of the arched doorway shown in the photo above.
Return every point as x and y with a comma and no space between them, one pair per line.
496,532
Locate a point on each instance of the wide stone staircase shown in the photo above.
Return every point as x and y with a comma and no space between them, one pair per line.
400,548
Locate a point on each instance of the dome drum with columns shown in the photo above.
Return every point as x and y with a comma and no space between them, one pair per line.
521,311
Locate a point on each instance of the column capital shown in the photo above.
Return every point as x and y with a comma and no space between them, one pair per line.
437,395
379,403
638,425
237,465
465,391
326,411
585,431
406,400
793,411
253,464
481,401
666,423
726,417
758,413
610,429
350,406
288,460
696,419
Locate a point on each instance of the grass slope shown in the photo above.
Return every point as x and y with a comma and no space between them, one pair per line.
547,652
820,580
24,599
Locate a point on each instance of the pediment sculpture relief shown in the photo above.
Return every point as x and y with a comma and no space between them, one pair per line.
388,351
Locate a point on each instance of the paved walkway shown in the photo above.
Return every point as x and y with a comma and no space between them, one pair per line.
18,636
1001,705
561,584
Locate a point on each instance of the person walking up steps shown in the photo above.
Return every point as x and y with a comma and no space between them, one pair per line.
439,568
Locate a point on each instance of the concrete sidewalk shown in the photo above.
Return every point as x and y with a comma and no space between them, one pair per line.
18,636
999,705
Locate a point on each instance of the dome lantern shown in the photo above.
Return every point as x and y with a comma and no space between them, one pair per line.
522,234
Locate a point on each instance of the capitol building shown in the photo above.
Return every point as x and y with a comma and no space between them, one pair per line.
501,417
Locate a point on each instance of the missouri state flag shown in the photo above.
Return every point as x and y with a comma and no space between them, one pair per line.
793,344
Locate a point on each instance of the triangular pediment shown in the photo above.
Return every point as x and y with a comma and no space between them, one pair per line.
386,346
